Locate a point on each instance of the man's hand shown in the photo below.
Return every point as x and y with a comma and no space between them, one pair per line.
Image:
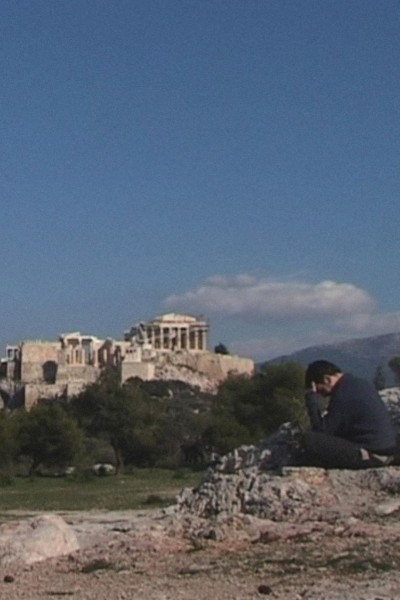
312,388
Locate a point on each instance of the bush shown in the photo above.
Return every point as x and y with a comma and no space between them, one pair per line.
49,437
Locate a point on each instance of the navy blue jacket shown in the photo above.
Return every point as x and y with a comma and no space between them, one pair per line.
355,413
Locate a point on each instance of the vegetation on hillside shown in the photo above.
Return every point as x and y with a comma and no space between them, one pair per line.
149,424
394,365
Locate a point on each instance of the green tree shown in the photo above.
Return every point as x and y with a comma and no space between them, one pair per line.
221,349
49,437
394,365
8,442
223,431
379,378
180,410
253,407
116,413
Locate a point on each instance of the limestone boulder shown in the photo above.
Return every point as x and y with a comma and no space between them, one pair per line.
36,539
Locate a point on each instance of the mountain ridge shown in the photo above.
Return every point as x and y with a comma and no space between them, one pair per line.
360,356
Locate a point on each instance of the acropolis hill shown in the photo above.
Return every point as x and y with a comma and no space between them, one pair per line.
170,347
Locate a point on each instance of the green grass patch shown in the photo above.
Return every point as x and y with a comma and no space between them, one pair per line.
122,492
156,500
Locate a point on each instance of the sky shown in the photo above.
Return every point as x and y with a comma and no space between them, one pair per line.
236,159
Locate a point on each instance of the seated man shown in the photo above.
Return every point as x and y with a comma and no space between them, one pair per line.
356,432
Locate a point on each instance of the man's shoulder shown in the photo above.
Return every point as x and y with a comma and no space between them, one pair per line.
349,378
354,383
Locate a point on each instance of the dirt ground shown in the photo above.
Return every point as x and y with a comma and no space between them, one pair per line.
139,556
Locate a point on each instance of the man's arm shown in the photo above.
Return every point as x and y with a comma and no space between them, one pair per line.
314,414
333,420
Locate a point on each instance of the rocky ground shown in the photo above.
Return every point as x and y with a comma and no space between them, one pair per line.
344,545
351,559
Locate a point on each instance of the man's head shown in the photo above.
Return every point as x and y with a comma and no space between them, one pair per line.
324,375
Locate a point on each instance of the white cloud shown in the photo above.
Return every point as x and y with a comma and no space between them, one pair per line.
286,315
371,323
362,325
278,345
266,348
249,298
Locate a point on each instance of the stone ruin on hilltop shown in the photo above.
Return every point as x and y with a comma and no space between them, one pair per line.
169,347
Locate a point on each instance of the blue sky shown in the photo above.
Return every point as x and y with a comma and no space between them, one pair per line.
237,159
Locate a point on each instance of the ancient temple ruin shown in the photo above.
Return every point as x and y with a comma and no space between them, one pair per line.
170,346
172,332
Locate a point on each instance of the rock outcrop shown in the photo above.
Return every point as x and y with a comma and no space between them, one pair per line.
240,489
391,397
36,539
204,370
296,494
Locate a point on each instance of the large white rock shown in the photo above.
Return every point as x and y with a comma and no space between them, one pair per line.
36,539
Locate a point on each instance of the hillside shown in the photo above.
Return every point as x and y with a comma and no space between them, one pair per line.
359,356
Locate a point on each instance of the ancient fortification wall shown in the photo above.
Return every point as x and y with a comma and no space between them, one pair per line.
35,355
143,370
205,370
33,392
219,366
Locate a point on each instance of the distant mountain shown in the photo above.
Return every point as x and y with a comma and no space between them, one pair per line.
359,356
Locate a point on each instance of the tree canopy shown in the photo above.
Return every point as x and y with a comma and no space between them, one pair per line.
148,423
221,349
117,413
394,365
247,409
49,437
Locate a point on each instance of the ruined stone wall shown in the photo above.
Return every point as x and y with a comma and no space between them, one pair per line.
205,370
46,371
33,392
45,362
219,366
144,370
71,373
35,357
214,366
40,391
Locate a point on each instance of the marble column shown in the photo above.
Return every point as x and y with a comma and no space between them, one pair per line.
161,338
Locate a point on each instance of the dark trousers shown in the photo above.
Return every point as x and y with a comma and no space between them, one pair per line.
330,452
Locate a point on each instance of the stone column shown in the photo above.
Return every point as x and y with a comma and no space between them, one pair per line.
95,355
167,338
202,339
162,337
185,331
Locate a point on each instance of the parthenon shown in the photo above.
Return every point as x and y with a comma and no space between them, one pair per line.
171,332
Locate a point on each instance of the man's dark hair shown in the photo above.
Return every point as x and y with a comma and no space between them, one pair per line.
317,370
